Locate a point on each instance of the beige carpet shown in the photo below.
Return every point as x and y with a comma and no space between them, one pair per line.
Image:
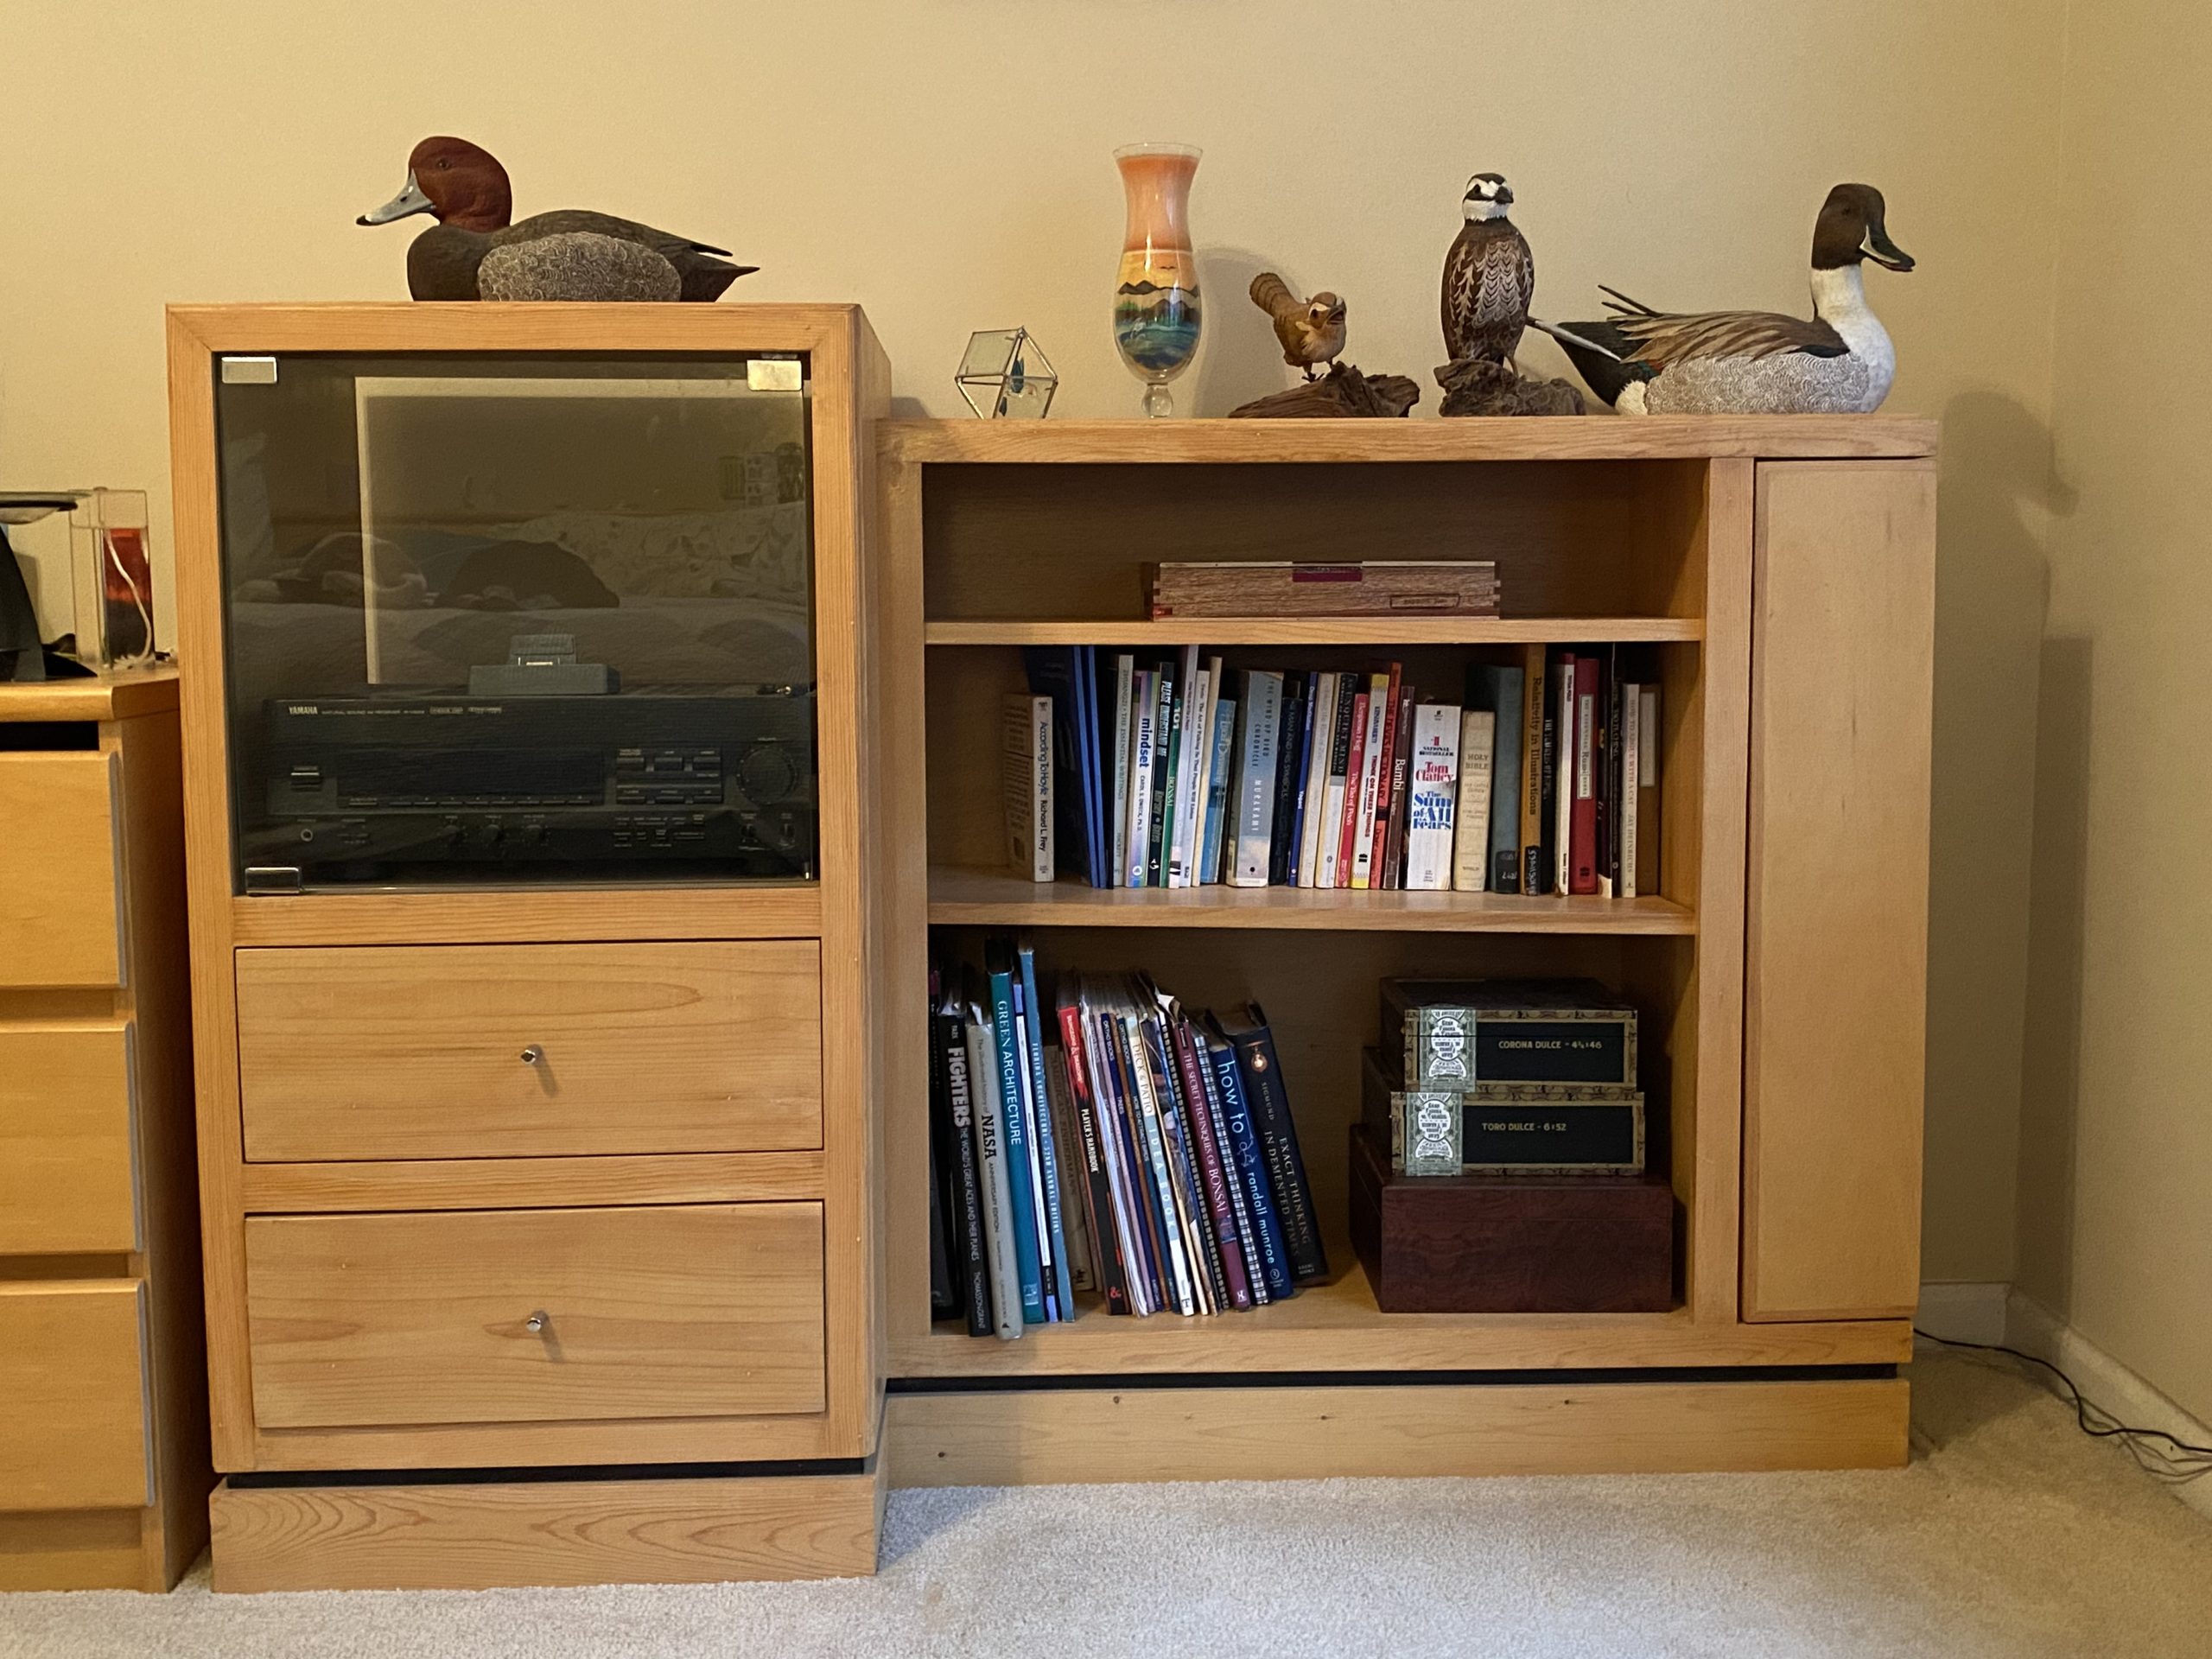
2009,1535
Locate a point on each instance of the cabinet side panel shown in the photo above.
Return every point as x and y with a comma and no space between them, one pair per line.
1836,958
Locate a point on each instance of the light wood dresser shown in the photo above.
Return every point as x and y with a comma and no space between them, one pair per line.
103,1471
537,1207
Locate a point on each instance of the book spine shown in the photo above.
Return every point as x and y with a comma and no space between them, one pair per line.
1394,844
973,1250
999,1229
1433,802
1378,851
1032,1113
1471,838
1563,779
1251,1167
1302,778
1015,1129
1183,1170
1118,1148
1582,868
1535,704
1118,765
1278,1132
1255,793
1504,868
1630,747
1201,781
1219,784
1213,1173
1317,780
1099,870
1148,1242
1240,1206
1163,778
1370,780
1026,760
1647,790
1281,823
1183,758
1098,1202
1067,1160
1143,717
1047,1138
1176,1265
1356,763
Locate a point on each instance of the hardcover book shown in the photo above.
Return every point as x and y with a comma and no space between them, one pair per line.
997,1182
1261,1071
1477,777
1496,688
1026,774
1256,786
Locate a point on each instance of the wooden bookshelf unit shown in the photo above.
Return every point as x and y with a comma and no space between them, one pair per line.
1779,572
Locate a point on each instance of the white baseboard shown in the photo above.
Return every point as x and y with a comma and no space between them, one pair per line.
2107,1383
1964,1312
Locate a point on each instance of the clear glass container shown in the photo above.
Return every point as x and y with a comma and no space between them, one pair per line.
492,618
113,579
1156,308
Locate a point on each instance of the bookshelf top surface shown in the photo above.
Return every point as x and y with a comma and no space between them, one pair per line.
1596,438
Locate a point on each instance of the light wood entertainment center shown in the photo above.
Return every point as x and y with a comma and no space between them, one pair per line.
1781,570
667,1317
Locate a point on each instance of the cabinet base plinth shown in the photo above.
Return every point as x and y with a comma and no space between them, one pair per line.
524,1533
1010,1437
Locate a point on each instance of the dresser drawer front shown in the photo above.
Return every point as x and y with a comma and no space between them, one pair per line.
73,1396
406,1051
59,865
536,1315
67,1184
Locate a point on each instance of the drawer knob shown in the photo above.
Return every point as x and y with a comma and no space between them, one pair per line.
532,1055
537,1322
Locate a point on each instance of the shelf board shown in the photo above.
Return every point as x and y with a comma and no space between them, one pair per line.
998,898
1336,1326
1319,631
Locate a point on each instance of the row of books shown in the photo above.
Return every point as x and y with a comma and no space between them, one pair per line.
1116,1146
1175,774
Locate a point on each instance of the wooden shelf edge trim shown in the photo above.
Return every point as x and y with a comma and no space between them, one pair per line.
984,898
1011,1438
1316,631
1600,437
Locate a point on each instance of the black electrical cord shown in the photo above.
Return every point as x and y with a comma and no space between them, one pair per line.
2177,1461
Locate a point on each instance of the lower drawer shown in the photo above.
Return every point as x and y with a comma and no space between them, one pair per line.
536,1315
73,1395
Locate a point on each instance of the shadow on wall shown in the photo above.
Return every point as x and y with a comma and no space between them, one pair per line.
1992,596
1239,359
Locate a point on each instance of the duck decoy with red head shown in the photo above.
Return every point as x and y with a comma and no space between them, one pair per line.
475,252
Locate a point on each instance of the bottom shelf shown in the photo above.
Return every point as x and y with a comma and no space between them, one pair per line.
1336,1327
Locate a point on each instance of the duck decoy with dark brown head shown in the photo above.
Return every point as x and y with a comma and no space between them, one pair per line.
475,252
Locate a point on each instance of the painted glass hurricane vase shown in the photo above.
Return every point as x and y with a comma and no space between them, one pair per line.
1156,300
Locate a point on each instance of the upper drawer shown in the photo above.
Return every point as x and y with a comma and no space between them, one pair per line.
536,1315
59,863
65,1137
484,1051
73,1396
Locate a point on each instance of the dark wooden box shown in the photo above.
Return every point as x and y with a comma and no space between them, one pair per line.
1512,1243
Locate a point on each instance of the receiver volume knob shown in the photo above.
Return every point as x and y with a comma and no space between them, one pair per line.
767,773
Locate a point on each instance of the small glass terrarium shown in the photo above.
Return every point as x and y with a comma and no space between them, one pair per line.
113,578
1004,377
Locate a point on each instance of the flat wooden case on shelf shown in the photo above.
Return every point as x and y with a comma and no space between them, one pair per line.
527,1178
1779,575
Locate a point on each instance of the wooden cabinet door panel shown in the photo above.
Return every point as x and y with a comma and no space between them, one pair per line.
58,869
73,1395
1835,964
67,1180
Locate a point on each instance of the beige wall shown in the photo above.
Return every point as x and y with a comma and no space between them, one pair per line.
945,161
2116,1168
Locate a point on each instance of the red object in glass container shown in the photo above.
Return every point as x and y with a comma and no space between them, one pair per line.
126,593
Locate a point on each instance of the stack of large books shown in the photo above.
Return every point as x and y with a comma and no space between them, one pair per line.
1505,1078
1109,1144
1280,587
1540,776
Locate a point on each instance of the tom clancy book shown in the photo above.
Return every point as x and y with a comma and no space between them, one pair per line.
1562,1128
1460,1033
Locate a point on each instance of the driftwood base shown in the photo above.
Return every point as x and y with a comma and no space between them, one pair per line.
1342,392
1476,385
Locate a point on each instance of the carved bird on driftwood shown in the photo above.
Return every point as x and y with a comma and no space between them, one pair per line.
1489,276
1312,331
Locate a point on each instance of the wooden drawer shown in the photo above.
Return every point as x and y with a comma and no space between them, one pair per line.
396,1052
73,1396
59,870
68,1128
696,1310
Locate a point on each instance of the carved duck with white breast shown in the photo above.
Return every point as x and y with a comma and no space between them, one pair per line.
1838,362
